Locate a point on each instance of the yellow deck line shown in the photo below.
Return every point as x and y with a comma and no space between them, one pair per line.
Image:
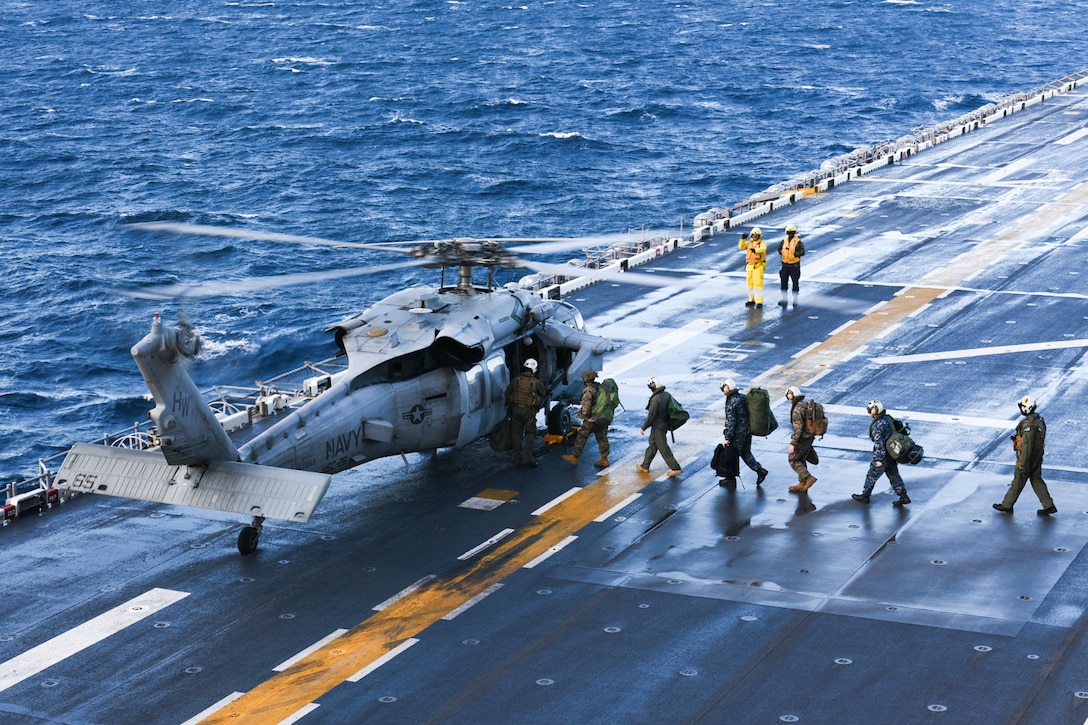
308,679
288,692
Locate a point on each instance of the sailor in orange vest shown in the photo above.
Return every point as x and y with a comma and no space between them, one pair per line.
755,262
792,249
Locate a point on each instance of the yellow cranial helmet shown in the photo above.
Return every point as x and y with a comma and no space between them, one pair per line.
791,228
757,232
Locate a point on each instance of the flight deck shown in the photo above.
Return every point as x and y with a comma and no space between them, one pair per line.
457,588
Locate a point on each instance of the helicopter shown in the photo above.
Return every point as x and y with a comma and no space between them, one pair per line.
426,369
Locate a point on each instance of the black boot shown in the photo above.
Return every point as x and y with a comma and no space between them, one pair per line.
860,497
1003,508
904,499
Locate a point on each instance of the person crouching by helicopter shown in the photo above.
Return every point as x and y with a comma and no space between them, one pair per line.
590,424
525,395
657,420
755,263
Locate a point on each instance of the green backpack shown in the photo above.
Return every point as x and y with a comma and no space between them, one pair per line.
899,443
677,415
607,400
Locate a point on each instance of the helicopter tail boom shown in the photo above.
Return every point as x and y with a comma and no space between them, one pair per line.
189,433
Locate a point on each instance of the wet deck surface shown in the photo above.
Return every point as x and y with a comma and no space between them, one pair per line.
640,598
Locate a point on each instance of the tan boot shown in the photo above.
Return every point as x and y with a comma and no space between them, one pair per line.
573,460
601,463
808,483
797,488
641,468
674,472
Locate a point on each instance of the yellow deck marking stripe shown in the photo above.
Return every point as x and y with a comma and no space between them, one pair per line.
851,340
316,674
499,494
288,692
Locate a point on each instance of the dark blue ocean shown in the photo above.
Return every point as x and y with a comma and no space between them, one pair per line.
409,120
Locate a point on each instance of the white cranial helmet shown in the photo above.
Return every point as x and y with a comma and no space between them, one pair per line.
530,365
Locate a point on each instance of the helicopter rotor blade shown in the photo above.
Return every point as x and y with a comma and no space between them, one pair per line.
207,230
242,286
649,280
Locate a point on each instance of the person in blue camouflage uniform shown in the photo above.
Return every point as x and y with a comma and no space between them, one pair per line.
1028,442
879,430
737,432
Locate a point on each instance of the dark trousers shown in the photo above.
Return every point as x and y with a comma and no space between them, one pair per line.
523,432
790,272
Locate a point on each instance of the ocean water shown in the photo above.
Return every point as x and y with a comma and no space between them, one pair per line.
364,121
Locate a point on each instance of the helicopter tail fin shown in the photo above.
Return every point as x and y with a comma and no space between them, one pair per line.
189,432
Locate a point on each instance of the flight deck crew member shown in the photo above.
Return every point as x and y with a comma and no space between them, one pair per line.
755,262
598,426
800,441
880,428
1028,442
525,396
737,431
791,249
657,420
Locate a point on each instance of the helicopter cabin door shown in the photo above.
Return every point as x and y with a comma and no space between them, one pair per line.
483,391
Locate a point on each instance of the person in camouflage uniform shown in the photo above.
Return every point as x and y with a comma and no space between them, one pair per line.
737,431
879,430
525,395
801,451
1029,442
590,424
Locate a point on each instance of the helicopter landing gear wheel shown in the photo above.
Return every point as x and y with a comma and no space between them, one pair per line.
559,420
249,537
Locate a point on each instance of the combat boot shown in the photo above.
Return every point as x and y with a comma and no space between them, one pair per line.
860,497
573,460
728,482
797,488
808,483
1047,511
904,499
1003,508
761,475
601,463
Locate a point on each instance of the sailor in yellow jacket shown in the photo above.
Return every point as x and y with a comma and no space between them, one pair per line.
755,262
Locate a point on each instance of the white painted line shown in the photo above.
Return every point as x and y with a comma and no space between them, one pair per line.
622,504
978,352
769,375
312,648
1065,141
914,415
383,659
874,308
82,636
490,542
888,330
662,344
840,328
475,600
1007,170
815,377
300,714
204,714
558,547
556,501
804,350
827,261
926,306
401,595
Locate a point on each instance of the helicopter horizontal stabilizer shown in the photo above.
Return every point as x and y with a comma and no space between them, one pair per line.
240,488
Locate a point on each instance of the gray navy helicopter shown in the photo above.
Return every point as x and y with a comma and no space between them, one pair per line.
427,368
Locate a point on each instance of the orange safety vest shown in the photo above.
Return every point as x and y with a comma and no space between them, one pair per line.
789,250
755,255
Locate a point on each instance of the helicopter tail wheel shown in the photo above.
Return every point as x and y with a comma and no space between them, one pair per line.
559,420
249,537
